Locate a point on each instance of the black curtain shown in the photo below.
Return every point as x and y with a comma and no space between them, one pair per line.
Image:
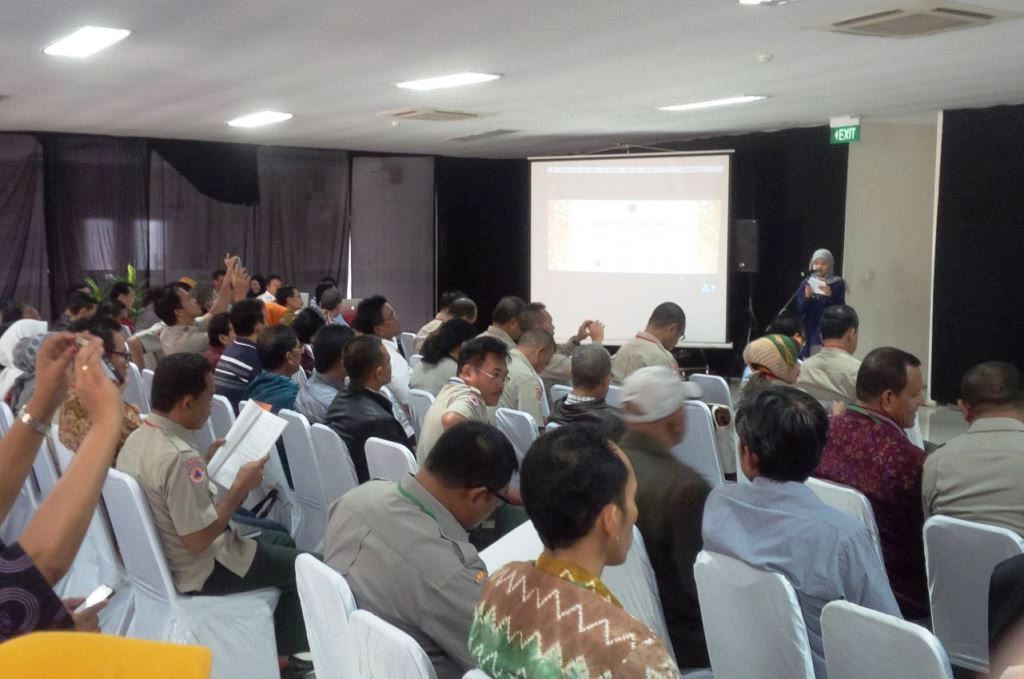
227,173
978,301
23,263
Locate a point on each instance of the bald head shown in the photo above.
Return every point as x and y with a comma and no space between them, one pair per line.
992,386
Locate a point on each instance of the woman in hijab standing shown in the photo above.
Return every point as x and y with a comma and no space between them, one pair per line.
822,288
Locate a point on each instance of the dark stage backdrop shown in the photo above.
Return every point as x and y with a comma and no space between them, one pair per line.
979,245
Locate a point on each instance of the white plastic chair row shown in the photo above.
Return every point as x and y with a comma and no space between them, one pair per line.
519,427
306,481
408,340
699,447
135,389
715,389
419,403
389,460
849,501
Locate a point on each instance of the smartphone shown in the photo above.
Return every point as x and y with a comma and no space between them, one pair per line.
98,596
108,366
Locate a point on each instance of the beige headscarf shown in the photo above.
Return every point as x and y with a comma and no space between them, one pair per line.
774,356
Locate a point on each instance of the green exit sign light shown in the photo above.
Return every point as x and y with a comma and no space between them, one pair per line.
845,134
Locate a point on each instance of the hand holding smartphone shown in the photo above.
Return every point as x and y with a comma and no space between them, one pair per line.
98,596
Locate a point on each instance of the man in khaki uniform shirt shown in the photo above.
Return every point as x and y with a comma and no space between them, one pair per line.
481,379
505,321
653,346
831,374
404,548
186,329
559,369
524,390
443,314
977,476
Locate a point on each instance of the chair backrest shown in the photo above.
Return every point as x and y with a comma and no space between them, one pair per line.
519,427
551,426
408,340
385,651
914,433
6,419
389,460
715,388
337,471
960,557
735,602
205,436
476,674
299,377
849,501
135,391
327,603
147,382
860,642
45,469
419,402
699,447
559,391
415,360
614,397
545,403
306,481
222,416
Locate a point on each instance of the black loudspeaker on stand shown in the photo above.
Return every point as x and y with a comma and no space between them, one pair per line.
745,240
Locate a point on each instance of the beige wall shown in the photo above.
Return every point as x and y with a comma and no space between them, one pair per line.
889,235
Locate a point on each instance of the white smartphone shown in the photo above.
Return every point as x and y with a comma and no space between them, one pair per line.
98,596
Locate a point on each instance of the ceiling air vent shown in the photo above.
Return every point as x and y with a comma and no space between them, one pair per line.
483,135
912,19
428,114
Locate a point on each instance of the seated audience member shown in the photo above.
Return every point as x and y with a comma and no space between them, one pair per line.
328,378
375,316
80,305
654,345
218,333
670,496
147,315
75,421
287,302
269,294
12,311
579,490
257,286
591,377
307,323
16,332
360,411
432,326
977,476
440,359
186,331
463,308
125,294
205,554
831,374
404,548
31,567
559,369
524,390
505,321
785,323
776,523
280,354
330,307
318,292
217,279
772,360
239,363
206,297
482,368
868,450
24,386
111,308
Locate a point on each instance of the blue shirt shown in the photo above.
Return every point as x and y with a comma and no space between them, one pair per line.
316,396
784,528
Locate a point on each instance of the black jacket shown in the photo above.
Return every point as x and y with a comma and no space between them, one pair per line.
357,414
589,412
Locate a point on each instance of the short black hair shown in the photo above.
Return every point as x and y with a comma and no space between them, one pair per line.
167,302
361,356
274,277
120,288
329,279
13,310
993,384
568,477
448,297
475,351
451,334
320,289
79,301
471,455
786,428
80,286
111,308
218,273
836,320
283,294
532,316
103,327
591,364
369,314
220,324
178,376
883,369
274,344
262,283
306,323
667,313
329,345
787,323
463,308
507,310
245,315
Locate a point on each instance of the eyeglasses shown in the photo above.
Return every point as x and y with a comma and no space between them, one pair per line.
501,496
123,354
495,377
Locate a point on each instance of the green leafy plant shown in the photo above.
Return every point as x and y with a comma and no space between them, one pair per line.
101,291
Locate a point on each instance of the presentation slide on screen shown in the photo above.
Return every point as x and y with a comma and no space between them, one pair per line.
611,238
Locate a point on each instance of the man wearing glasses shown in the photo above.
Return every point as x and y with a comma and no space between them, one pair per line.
481,378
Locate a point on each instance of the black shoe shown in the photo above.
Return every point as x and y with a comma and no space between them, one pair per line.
297,669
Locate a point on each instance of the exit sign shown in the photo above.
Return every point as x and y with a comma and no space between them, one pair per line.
844,134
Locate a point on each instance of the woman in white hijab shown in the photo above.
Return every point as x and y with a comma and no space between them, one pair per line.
822,288
18,331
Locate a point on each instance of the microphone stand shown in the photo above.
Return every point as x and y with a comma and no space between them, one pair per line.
793,296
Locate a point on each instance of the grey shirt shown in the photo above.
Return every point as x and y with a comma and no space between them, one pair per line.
433,376
409,561
784,528
315,397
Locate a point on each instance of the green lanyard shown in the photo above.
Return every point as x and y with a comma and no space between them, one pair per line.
416,501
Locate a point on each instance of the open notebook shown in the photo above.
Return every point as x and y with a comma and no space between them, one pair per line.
252,437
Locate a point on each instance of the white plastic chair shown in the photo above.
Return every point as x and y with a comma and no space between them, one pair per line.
386,652
238,628
45,469
299,377
614,397
415,360
135,391
960,557
715,388
327,603
545,404
849,501
205,436
389,460
408,340
551,426
861,643
222,416
914,433
559,391
306,479
419,403
27,501
519,427
699,447
337,471
476,674
286,510
6,418
147,383
752,621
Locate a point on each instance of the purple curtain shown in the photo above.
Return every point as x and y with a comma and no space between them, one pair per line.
23,262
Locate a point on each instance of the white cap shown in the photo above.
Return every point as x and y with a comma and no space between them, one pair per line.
653,393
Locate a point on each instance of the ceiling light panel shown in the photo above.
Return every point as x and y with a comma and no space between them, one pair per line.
443,81
86,41
714,103
260,119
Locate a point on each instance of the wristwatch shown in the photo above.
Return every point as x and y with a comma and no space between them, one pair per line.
41,428
575,340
